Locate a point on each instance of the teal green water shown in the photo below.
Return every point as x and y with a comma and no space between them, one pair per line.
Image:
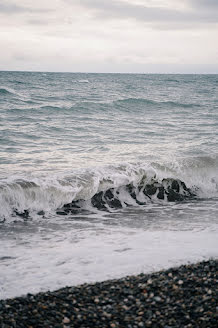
58,122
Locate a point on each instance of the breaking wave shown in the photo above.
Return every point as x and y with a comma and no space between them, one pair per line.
108,188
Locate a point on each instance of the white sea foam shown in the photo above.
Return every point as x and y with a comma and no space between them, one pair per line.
51,263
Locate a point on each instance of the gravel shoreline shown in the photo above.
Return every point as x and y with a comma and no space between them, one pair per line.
185,296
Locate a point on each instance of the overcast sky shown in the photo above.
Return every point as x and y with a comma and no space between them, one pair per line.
145,36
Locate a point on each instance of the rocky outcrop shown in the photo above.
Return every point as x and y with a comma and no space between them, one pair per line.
172,190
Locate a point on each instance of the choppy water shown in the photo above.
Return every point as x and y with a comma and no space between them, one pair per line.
67,137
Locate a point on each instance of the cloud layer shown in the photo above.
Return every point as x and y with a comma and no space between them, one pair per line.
117,9
116,35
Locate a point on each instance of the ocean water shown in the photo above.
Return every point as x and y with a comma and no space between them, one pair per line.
88,167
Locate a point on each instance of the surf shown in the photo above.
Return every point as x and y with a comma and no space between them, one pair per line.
108,188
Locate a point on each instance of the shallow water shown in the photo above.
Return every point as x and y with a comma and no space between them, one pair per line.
66,137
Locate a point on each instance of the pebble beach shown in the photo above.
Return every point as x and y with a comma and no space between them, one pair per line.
184,296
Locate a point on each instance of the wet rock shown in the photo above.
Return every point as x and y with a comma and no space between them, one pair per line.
41,213
161,192
24,214
61,212
173,196
98,202
102,200
150,189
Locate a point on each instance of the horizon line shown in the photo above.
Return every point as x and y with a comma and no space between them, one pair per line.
85,72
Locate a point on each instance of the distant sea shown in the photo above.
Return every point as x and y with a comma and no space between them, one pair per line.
88,167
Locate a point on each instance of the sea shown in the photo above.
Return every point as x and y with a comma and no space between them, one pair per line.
105,175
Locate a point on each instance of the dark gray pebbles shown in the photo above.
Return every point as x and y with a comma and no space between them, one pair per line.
180,297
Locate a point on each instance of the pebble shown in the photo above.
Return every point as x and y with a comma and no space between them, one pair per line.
66,320
185,296
157,299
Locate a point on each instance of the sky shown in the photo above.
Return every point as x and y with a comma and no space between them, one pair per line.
125,36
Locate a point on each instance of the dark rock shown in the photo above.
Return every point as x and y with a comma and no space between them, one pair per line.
115,203
61,212
161,192
24,214
41,213
175,186
111,199
98,202
150,189
72,205
173,196
108,194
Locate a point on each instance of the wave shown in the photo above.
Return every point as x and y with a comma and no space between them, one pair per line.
25,196
80,81
108,188
5,91
143,101
9,92
83,81
17,82
172,80
171,190
50,107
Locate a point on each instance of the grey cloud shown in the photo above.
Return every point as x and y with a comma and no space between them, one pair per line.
122,9
37,21
210,4
10,7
